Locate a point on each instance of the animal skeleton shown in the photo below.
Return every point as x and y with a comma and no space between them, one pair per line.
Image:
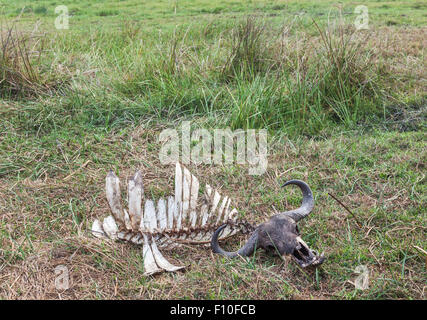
182,218
188,218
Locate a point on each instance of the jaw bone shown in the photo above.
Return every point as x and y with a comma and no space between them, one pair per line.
182,218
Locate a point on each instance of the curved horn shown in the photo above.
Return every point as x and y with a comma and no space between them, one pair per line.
246,250
307,201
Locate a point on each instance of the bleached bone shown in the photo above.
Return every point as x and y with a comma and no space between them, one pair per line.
110,227
149,262
167,223
97,230
279,234
136,195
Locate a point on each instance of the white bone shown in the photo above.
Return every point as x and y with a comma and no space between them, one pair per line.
112,187
128,223
186,189
215,202
136,195
193,200
204,213
97,230
110,227
227,211
178,197
208,197
171,211
150,265
208,190
150,219
162,222
161,261
221,210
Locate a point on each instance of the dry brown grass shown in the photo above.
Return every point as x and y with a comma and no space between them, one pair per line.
401,53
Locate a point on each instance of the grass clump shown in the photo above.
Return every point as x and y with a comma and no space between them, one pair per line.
247,54
306,84
260,75
22,70
349,83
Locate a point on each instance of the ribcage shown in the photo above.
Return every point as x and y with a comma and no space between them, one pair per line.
168,222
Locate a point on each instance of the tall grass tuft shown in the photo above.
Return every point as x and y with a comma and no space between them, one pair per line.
247,54
302,84
349,81
21,68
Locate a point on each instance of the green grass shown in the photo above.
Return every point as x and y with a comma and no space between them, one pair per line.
345,111
410,13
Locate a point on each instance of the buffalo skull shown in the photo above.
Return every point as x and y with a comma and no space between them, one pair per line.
279,234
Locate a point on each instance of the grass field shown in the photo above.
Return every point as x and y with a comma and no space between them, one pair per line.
345,111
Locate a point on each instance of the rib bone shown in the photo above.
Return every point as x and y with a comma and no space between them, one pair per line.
167,222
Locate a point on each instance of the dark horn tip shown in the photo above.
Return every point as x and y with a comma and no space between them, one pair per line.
293,181
214,239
